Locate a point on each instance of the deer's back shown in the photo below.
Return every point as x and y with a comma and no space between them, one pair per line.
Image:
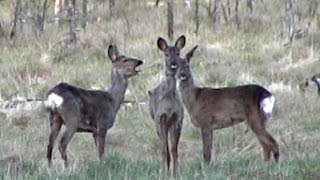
89,105
220,108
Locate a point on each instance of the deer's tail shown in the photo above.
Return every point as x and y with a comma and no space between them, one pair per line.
53,101
266,104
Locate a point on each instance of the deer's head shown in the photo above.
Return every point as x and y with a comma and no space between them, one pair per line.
172,53
125,66
184,71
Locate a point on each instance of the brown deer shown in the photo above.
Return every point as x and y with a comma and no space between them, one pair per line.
165,106
90,111
211,109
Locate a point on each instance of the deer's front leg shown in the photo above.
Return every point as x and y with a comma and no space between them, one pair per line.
163,135
207,144
101,139
175,137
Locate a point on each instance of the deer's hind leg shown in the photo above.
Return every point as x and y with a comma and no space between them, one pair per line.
55,125
162,130
71,116
65,139
175,137
257,124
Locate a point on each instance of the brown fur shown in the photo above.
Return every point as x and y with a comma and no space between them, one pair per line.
165,106
89,110
211,109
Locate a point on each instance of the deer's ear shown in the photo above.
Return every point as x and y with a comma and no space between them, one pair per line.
162,44
190,53
181,41
113,52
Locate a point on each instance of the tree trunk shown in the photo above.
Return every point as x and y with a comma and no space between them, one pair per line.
290,7
73,38
197,18
84,14
224,13
170,19
44,11
1,30
313,6
236,15
250,10
209,8
112,8
66,3
15,19
157,3
228,8
58,13
69,10
215,12
36,13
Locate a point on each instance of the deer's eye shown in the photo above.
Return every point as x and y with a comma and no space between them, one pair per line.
166,54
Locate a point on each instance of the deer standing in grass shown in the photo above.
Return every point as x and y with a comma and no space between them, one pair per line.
165,106
211,109
90,111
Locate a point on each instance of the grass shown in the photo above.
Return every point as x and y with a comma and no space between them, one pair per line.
118,167
226,57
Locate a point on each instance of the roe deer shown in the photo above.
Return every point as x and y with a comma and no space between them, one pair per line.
316,80
91,111
211,109
165,106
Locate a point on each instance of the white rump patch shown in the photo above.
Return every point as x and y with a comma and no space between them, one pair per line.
267,104
53,101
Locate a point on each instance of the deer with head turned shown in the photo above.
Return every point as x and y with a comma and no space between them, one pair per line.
165,106
92,111
211,109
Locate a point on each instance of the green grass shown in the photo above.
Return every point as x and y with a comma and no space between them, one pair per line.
115,166
257,53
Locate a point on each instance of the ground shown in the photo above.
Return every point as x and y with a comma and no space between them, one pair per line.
258,53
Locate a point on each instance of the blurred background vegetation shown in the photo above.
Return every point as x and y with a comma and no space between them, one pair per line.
268,42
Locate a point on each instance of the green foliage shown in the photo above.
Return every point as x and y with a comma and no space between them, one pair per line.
257,53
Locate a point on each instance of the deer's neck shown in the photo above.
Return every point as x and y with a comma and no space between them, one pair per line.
118,88
169,83
187,90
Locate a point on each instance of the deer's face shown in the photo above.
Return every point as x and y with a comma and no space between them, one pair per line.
172,53
184,71
125,66
128,67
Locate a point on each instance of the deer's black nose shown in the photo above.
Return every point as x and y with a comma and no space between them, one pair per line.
140,62
182,76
